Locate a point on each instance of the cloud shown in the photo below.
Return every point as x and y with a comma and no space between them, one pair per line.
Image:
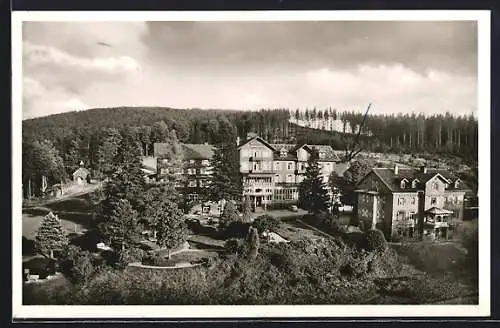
399,66
450,45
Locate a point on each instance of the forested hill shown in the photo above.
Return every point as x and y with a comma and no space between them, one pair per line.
397,133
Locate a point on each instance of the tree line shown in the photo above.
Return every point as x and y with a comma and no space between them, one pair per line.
53,146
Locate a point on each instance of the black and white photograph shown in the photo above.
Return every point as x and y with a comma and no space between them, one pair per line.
301,163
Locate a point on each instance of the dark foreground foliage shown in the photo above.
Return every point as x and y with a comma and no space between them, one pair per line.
324,271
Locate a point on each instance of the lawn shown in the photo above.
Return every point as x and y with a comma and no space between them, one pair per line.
205,241
69,223
75,215
433,257
292,230
184,257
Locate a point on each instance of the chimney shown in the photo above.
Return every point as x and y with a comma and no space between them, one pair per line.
237,141
423,169
396,169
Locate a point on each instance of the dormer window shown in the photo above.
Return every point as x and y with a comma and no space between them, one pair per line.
457,184
414,183
321,154
403,183
283,152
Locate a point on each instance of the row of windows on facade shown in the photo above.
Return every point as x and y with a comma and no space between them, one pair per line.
290,166
191,161
412,200
190,171
290,178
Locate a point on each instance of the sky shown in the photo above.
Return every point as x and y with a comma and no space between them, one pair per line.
400,67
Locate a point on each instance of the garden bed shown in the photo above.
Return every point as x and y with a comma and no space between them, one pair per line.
181,259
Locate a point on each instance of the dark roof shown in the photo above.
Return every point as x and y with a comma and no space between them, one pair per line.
190,151
198,151
393,181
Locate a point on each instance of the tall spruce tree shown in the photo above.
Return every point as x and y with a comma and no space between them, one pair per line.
107,152
50,236
123,201
313,194
120,225
226,180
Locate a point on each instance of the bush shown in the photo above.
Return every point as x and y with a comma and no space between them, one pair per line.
266,223
83,266
375,241
235,229
130,255
151,259
234,246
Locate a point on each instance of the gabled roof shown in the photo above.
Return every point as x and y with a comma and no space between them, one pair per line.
81,171
292,149
198,151
393,181
259,139
330,154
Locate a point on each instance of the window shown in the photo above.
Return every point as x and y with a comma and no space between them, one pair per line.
435,186
414,183
191,171
192,183
290,166
433,201
457,183
289,178
200,182
401,201
277,178
413,200
321,154
400,215
205,162
403,184
191,161
303,167
283,153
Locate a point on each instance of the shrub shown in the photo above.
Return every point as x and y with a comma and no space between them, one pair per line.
375,241
151,259
83,266
266,223
235,229
234,246
130,255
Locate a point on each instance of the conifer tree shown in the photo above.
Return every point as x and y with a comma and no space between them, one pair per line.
50,236
253,242
313,195
225,182
120,225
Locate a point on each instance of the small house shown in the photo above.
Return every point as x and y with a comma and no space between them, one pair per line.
81,175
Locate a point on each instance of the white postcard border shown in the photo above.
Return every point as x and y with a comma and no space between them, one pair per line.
267,311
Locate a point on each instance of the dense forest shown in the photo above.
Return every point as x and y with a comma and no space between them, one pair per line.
54,145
